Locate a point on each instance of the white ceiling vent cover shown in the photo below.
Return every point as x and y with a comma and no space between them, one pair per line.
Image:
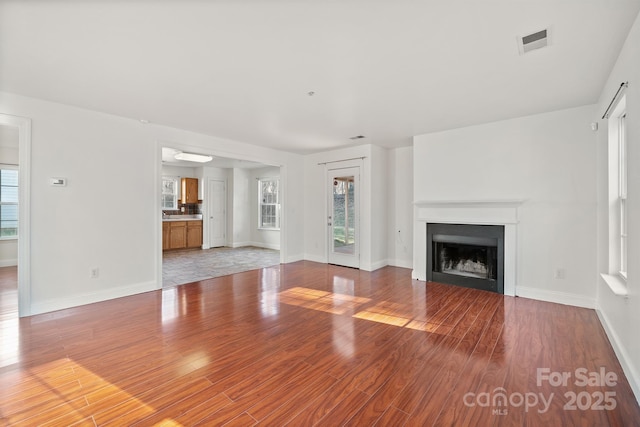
533,41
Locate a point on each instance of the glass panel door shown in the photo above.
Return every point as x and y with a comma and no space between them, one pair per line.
343,217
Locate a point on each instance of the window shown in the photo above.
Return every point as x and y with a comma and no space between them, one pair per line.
169,193
8,202
268,203
617,136
622,192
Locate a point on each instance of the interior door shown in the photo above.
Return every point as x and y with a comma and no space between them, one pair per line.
343,218
217,213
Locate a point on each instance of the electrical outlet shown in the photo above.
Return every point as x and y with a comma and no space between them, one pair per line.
95,272
560,273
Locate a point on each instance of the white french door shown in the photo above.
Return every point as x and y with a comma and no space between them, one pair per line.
343,216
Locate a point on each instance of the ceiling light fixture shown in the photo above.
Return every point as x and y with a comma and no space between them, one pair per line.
191,157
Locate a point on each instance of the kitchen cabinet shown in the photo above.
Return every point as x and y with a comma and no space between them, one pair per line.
194,234
181,234
189,191
166,241
177,234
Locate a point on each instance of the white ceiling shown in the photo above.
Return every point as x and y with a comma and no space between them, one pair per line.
242,69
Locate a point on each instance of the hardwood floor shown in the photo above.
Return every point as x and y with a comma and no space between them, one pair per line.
310,344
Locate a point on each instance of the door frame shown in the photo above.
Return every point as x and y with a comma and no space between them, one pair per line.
211,150
350,168
24,209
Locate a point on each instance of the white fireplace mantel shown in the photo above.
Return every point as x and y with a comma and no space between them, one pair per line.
478,212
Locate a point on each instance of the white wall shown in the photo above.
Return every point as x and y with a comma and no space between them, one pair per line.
621,316
549,161
80,226
379,206
179,171
373,217
262,238
292,226
241,208
400,207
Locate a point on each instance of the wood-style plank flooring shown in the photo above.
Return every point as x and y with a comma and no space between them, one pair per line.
306,344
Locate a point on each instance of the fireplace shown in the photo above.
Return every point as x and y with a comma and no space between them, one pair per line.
466,255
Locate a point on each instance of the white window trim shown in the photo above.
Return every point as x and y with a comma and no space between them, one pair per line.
7,238
278,205
616,277
622,193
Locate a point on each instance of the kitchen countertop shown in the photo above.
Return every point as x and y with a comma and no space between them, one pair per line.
171,218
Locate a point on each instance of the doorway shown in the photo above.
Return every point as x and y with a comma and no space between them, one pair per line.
15,150
343,217
228,204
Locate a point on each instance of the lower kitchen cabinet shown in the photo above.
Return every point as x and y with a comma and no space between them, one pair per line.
166,233
194,234
181,234
178,235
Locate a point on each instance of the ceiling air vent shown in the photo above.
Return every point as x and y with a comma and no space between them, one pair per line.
533,41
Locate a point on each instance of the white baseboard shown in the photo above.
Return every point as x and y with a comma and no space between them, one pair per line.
375,265
627,366
557,297
89,298
8,262
363,266
240,244
274,246
315,258
416,275
294,258
401,263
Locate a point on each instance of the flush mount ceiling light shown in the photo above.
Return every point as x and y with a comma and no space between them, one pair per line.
191,157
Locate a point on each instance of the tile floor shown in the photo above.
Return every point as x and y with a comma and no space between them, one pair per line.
190,265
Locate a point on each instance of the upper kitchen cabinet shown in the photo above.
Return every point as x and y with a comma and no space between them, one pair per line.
189,191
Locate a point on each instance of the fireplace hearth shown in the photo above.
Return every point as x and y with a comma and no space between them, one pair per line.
466,255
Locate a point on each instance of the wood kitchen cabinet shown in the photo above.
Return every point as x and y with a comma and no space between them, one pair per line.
189,191
178,235
166,232
194,234
181,234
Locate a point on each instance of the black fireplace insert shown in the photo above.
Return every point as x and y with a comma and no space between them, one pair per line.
466,255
